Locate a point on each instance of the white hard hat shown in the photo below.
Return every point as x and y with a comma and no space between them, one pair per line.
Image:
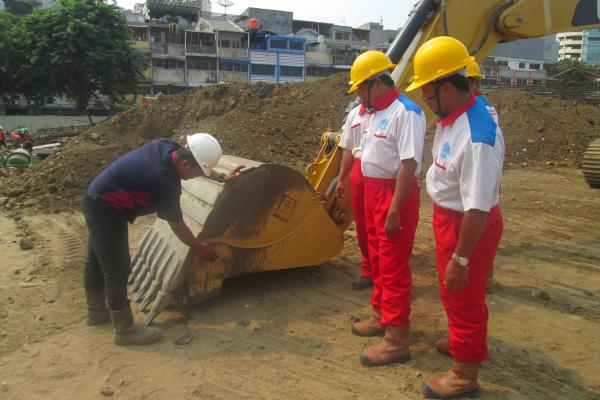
206,150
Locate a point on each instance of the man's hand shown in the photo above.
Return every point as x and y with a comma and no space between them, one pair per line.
456,276
205,251
233,174
339,189
392,223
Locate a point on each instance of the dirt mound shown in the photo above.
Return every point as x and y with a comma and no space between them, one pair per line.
269,123
544,131
280,124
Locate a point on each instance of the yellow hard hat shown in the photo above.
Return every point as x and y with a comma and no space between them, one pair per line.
367,65
473,70
437,58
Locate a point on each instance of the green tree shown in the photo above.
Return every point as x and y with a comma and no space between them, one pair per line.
33,69
92,55
568,63
7,46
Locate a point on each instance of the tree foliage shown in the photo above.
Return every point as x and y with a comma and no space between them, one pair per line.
79,50
568,63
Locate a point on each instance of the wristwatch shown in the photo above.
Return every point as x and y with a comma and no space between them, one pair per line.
222,177
463,261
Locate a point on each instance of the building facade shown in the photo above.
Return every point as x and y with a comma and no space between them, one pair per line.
513,72
570,45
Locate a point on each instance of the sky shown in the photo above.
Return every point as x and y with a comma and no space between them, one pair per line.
393,13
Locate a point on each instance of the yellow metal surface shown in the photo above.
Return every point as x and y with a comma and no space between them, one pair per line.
482,24
269,218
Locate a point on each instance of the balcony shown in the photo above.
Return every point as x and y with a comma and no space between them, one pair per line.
233,53
168,76
200,49
140,45
343,60
313,57
171,49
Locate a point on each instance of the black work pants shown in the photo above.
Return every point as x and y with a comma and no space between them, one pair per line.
108,264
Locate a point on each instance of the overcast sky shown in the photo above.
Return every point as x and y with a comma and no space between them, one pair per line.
393,13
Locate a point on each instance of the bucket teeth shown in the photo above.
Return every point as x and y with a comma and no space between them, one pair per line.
152,272
149,292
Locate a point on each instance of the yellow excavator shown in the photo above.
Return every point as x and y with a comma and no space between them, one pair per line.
272,217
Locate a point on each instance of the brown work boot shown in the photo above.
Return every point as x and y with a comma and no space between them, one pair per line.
443,346
392,349
97,311
126,333
362,283
459,381
369,327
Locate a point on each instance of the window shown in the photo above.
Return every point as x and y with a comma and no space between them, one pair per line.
502,63
232,67
521,82
158,64
342,36
261,69
506,81
291,71
201,64
313,70
537,82
139,37
225,43
296,45
175,64
535,66
521,65
279,44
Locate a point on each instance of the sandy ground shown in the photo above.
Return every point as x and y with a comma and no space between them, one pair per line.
285,335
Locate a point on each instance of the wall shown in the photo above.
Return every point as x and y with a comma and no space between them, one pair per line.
163,76
196,77
228,76
313,57
44,121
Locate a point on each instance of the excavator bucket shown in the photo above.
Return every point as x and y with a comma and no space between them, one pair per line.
269,218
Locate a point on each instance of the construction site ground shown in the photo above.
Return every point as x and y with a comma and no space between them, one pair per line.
286,334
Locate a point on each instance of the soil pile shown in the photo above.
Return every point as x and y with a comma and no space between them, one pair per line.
280,124
269,123
543,131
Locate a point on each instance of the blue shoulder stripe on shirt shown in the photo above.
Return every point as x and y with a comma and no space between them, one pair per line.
483,126
484,100
409,104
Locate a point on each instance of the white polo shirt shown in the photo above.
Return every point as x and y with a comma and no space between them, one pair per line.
353,130
393,134
468,154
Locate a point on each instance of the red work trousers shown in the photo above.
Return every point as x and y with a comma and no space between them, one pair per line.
466,309
390,256
357,189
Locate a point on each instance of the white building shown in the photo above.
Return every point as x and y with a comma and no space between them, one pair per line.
517,72
570,45
2,5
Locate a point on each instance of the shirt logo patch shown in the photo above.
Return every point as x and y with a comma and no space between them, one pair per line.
383,124
445,151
